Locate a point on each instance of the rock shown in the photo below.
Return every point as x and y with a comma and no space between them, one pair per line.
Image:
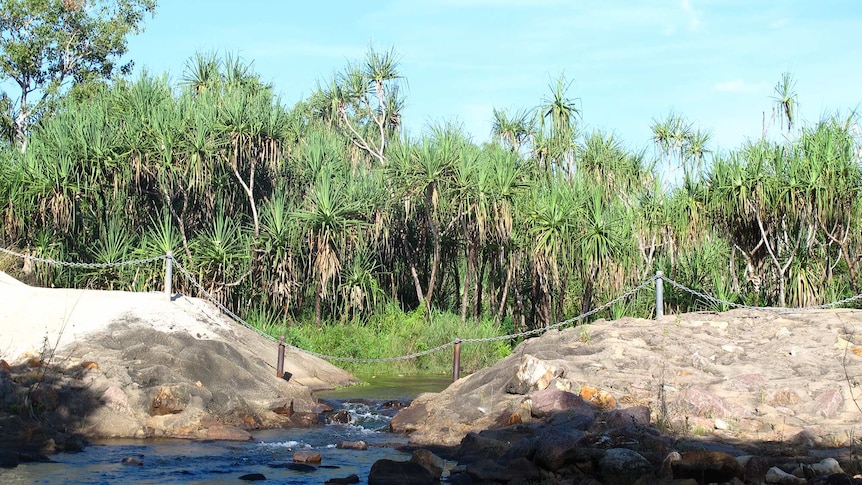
227,433
253,477
306,457
783,397
834,479
621,466
167,400
533,374
555,447
747,382
352,445
508,418
829,402
341,417
637,415
132,461
519,470
115,399
665,471
9,459
601,399
475,447
705,403
781,477
284,408
708,467
548,401
755,467
343,481
391,472
433,463
827,466
321,408
409,419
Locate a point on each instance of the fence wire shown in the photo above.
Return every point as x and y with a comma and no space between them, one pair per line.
71,264
207,295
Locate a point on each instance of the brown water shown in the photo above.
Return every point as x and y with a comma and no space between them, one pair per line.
271,452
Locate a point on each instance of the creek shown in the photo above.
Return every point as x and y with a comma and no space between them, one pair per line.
270,453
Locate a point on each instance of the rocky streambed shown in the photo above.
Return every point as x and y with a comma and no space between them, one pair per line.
739,397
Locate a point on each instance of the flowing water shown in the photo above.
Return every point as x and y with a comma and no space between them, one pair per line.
270,453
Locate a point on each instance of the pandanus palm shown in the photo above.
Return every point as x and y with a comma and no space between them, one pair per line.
329,221
551,225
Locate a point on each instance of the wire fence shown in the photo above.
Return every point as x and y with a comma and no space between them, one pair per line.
658,280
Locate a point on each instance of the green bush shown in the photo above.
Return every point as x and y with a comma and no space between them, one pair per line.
395,334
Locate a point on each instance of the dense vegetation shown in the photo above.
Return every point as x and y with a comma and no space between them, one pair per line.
324,215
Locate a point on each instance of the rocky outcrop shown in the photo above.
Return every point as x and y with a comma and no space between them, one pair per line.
707,397
742,374
137,365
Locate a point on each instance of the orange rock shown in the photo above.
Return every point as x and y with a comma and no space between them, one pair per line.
306,457
5,365
601,399
588,392
89,365
34,362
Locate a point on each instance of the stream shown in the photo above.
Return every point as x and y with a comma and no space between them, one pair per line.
270,453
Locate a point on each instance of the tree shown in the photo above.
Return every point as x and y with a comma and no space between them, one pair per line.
48,45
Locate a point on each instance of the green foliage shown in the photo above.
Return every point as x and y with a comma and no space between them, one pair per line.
46,45
393,334
324,223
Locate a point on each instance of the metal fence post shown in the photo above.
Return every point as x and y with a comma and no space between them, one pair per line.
279,371
659,295
456,363
169,274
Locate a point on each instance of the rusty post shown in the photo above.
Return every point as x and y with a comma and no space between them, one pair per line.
456,364
279,371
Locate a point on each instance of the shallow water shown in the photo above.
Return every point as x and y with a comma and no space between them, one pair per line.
271,452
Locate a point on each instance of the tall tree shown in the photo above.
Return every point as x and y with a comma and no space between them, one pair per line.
48,45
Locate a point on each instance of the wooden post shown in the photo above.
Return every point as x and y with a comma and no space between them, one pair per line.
169,275
456,364
279,371
659,295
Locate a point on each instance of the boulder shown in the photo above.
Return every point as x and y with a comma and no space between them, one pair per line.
433,463
621,466
533,374
552,401
391,472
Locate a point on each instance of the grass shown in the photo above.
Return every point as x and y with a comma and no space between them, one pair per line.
394,334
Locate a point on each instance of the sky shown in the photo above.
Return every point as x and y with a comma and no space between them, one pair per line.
630,63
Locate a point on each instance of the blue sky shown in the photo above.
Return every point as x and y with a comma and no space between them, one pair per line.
630,62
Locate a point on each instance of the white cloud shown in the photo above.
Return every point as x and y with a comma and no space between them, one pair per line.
693,16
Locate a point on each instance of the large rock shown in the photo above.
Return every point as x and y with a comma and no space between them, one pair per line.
137,365
552,401
621,466
533,375
742,374
391,472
